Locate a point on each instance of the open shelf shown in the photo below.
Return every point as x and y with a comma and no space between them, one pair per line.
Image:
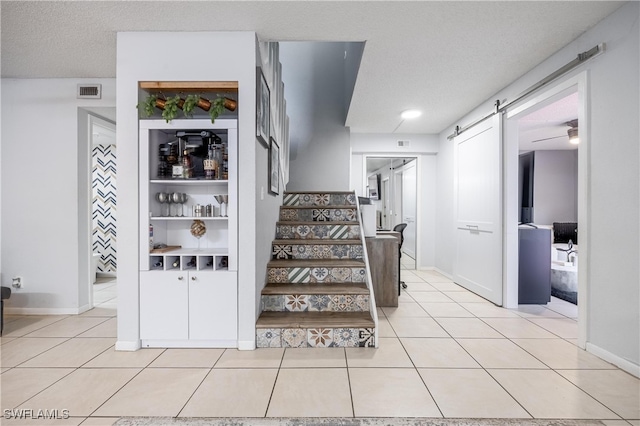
189,86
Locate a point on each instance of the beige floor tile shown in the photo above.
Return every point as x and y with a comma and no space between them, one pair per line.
417,327
619,391
104,295
34,421
430,296
411,309
4,340
409,277
100,421
563,327
433,276
109,328
437,353
226,393
499,353
545,394
68,327
103,310
465,296
405,297
562,307
26,324
419,288
447,286
488,310
20,384
519,328
535,311
467,327
389,353
445,310
311,392
380,312
187,358
260,358
634,422
124,359
560,354
72,353
154,392
384,328
314,358
616,422
84,390
20,350
390,392
470,394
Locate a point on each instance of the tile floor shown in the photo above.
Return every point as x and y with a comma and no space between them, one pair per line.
443,353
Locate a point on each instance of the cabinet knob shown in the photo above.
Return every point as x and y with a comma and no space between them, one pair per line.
193,278
180,278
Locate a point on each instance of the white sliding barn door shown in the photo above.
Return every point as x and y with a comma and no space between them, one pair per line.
478,209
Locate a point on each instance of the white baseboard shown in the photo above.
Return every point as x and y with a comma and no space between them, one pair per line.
130,346
246,345
624,364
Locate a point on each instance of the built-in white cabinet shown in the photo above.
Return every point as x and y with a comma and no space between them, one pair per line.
188,279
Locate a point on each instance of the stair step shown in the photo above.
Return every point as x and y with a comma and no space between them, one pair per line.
315,320
319,214
302,230
335,288
318,198
316,263
316,249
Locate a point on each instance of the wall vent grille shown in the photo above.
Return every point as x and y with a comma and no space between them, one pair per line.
404,143
89,91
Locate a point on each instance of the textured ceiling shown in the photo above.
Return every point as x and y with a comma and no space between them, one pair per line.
444,58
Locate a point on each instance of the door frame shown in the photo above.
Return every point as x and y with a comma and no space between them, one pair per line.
579,84
418,159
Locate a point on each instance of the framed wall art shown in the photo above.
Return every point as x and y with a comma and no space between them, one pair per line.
263,115
274,167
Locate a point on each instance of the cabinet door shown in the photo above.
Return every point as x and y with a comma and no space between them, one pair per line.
213,305
164,305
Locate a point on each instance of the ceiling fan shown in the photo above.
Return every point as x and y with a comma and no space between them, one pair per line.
572,133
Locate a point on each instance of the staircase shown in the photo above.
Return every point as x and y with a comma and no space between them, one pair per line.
316,293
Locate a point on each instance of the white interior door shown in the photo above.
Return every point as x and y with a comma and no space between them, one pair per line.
409,192
385,204
478,211
397,199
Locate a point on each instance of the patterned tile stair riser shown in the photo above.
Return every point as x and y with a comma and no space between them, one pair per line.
320,199
316,275
315,303
320,231
315,337
316,251
309,214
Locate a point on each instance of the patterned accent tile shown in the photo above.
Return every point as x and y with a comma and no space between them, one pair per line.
358,275
284,232
296,302
268,338
322,200
350,199
273,303
340,274
104,206
340,231
346,337
289,214
320,215
306,200
301,252
343,303
319,275
291,199
340,251
320,337
298,275
294,338
277,275
356,252
362,303
319,302
320,251
320,231
351,215
303,230
366,338
282,251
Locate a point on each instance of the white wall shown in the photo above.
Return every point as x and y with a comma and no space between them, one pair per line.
555,187
319,157
424,147
222,56
41,183
613,187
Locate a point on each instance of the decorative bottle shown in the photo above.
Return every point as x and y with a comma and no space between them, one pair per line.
187,165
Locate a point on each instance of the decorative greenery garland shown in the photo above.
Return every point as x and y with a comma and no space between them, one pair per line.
170,106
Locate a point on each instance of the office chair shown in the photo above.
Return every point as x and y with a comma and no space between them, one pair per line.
400,228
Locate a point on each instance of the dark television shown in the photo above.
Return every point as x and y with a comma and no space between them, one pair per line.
527,165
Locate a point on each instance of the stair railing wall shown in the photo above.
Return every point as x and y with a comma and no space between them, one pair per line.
365,256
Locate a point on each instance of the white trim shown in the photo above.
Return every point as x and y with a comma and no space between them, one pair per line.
125,345
246,345
626,365
577,83
162,343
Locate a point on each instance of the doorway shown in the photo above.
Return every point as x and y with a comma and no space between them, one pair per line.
524,127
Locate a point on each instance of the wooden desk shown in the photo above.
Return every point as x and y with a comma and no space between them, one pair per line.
384,261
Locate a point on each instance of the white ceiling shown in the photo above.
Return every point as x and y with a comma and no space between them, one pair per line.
442,57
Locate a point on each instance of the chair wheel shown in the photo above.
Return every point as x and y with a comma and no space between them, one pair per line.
404,285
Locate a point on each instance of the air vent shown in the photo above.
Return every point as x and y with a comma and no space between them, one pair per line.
89,91
404,143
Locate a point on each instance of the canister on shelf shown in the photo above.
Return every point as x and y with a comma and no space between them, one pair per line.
197,210
209,210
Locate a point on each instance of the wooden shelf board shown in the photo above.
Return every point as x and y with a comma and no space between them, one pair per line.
190,86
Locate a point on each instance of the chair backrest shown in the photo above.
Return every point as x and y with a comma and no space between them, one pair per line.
400,228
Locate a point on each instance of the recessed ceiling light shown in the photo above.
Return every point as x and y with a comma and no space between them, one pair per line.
411,113
573,136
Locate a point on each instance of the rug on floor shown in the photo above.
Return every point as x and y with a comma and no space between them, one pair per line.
344,421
